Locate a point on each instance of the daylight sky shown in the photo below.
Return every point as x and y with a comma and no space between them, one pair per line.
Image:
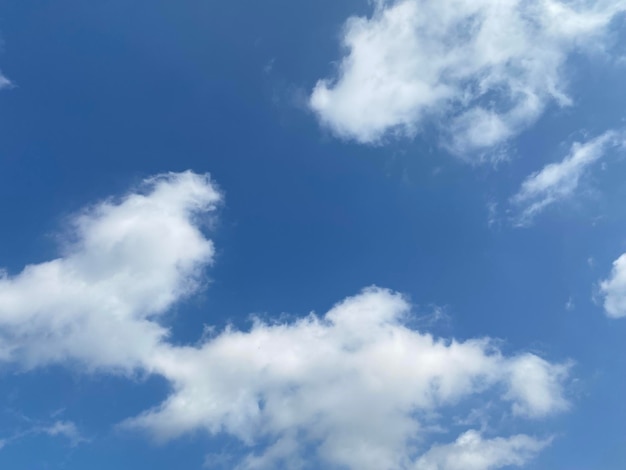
352,235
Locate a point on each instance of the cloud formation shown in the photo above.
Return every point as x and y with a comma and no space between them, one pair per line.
308,383
471,452
354,388
65,429
483,70
558,181
125,263
613,289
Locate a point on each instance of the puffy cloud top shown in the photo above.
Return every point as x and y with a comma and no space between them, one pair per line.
125,262
483,69
356,387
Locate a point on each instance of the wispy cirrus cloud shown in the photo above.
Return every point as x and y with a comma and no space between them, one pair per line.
64,429
483,71
557,182
294,393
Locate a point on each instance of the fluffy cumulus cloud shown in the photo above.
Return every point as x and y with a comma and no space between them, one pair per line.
355,388
471,452
308,383
483,69
558,181
125,262
613,289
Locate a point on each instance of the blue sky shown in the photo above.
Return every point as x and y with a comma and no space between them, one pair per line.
381,234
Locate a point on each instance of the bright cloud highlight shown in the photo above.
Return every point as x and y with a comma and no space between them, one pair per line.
125,263
482,70
354,388
309,383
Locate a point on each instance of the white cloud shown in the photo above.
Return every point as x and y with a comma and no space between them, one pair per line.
308,383
535,386
471,452
483,69
614,289
65,429
4,82
356,387
126,263
559,181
